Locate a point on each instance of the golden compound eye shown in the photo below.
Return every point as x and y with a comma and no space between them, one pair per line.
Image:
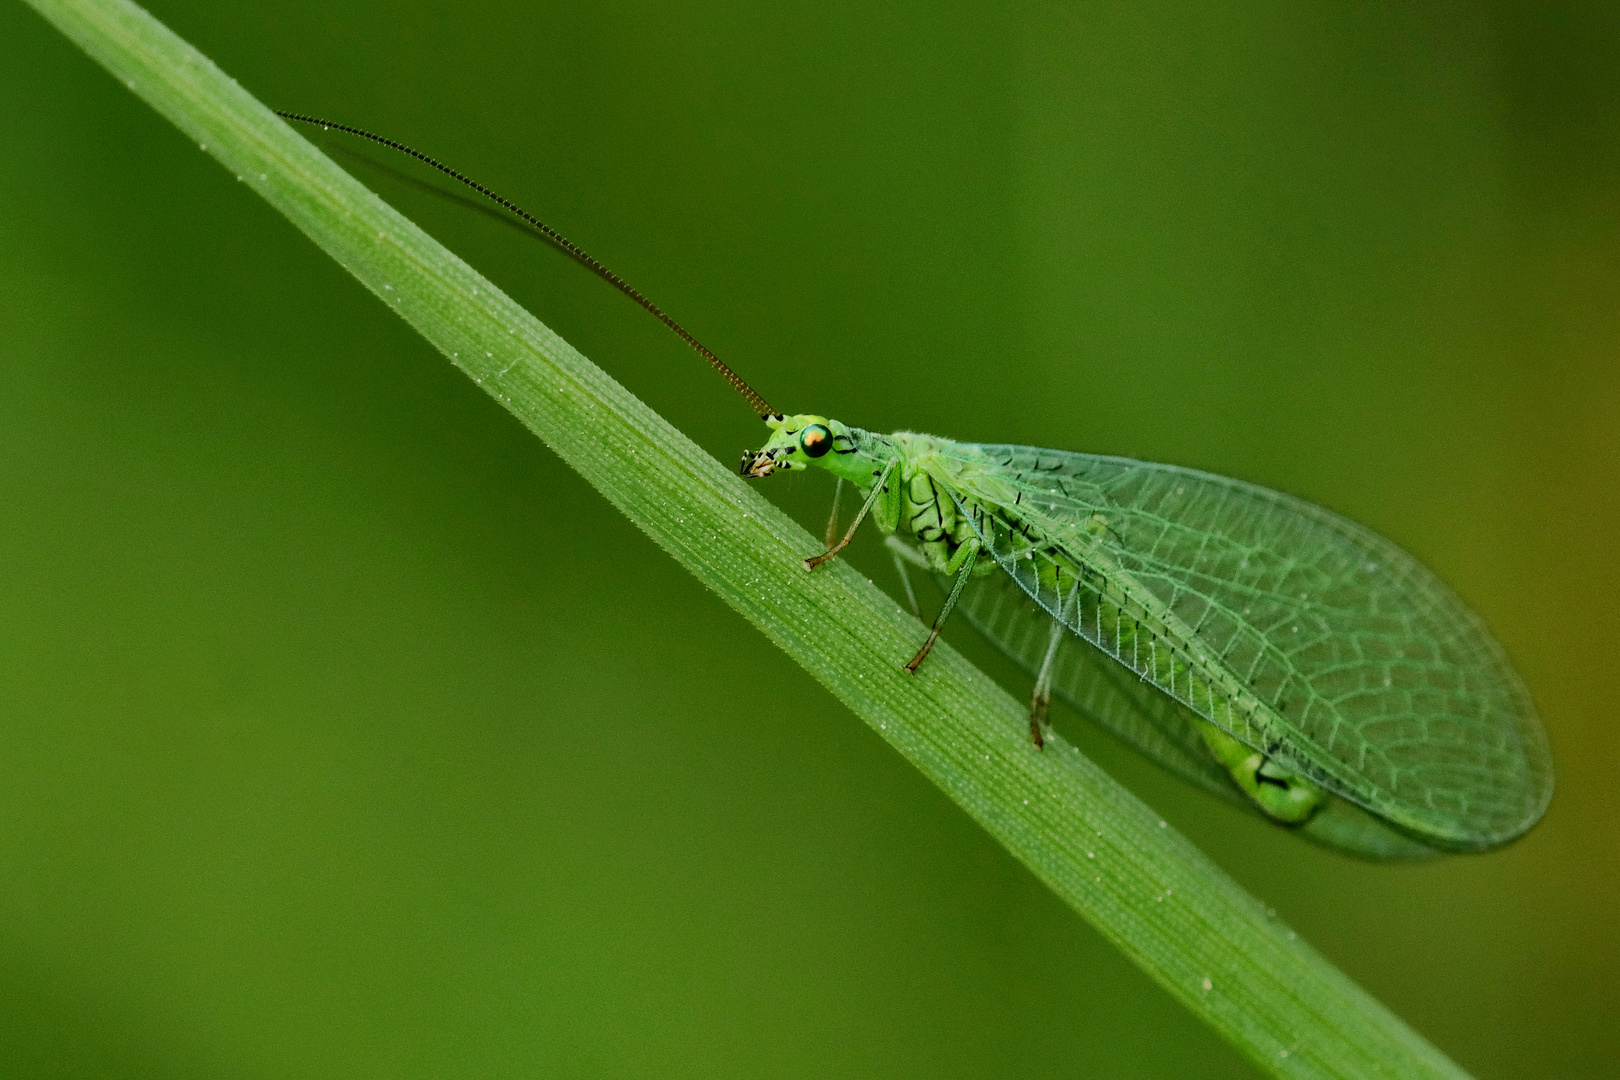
815,440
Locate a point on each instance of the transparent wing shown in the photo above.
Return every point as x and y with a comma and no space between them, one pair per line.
1301,633
1144,717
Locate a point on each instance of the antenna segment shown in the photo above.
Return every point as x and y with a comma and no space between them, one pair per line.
755,402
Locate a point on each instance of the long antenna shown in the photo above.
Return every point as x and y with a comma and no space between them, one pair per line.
755,402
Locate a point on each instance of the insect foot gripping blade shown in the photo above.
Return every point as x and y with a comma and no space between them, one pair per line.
1039,707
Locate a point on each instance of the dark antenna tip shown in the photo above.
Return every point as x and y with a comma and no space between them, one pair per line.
755,402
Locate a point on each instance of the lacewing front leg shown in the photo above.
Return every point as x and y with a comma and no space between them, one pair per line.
866,508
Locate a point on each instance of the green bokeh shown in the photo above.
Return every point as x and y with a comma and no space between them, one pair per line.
349,734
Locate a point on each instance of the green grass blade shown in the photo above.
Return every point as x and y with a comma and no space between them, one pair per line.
1142,885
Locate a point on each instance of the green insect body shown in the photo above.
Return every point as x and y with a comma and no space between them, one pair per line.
1262,648
1278,652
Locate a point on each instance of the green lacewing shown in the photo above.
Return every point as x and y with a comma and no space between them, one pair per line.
1264,649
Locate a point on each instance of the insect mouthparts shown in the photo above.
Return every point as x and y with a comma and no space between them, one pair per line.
757,464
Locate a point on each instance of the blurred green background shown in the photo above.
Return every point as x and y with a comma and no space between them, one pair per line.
347,733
